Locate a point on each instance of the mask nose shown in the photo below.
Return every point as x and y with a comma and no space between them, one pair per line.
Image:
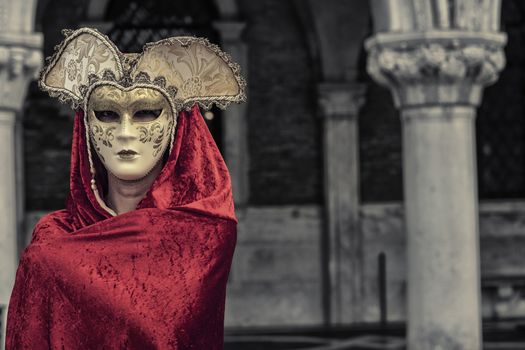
127,129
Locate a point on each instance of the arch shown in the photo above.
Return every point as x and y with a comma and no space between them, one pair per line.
340,38
306,18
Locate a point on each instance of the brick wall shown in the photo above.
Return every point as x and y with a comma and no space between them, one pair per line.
48,125
48,128
380,166
283,130
500,125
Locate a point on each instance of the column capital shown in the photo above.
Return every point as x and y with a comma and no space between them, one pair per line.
20,62
340,100
436,67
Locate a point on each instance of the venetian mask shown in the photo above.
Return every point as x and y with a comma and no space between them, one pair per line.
129,129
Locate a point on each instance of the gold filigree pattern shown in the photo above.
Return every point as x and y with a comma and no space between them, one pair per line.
155,134
80,55
103,134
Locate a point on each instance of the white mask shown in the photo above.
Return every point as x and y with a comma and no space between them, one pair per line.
130,130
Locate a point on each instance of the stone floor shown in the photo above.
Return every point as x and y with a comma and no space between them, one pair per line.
501,335
358,343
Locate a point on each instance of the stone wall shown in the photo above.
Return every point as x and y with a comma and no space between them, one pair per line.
276,273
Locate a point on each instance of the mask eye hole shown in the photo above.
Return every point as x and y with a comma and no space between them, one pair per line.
147,115
107,116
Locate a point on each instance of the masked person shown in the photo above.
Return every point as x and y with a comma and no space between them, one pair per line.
140,257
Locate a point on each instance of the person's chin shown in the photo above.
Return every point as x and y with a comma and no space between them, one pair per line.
127,175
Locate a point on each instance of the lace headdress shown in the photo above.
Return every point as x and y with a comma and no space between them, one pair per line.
186,70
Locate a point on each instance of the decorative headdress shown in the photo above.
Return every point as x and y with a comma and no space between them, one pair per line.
186,70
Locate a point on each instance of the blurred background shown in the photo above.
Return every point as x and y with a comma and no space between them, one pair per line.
316,157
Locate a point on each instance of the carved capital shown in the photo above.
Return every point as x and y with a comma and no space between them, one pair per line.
436,68
20,62
340,100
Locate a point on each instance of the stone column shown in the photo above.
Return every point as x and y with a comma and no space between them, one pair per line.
436,66
20,59
339,106
234,118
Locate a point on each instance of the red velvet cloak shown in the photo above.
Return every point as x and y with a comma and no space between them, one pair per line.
153,278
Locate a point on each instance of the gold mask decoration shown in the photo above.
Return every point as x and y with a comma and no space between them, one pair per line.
88,71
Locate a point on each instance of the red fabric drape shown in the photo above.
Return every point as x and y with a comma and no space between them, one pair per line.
153,278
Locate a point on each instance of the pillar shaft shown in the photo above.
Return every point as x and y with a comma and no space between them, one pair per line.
340,104
8,219
442,227
9,215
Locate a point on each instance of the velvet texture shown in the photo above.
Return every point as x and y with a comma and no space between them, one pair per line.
152,278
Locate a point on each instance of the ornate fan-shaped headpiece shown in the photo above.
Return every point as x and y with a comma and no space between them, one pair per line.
186,70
